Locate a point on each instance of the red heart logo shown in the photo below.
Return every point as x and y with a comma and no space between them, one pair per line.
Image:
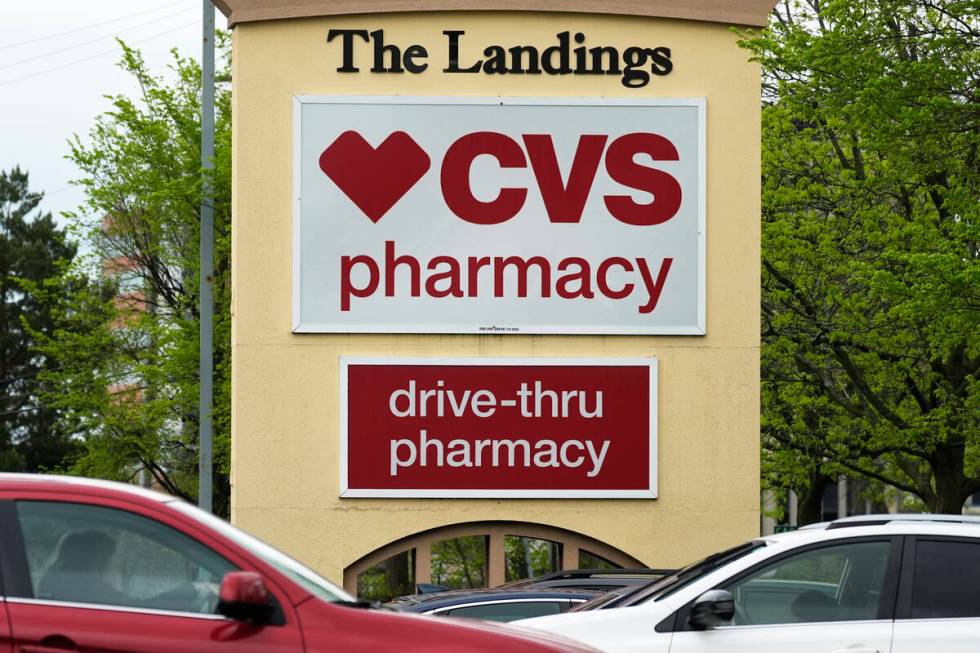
374,178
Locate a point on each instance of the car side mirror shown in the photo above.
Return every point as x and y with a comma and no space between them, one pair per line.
711,609
244,597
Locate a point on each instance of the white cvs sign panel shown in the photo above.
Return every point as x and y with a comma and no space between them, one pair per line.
499,215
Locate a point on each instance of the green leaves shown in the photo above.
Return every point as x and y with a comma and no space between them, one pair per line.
871,229
127,342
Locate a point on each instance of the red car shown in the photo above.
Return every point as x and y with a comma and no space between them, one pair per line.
101,567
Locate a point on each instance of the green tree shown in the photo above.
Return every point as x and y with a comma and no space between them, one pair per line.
527,557
871,245
127,347
32,249
460,562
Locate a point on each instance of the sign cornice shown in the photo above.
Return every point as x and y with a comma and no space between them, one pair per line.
731,12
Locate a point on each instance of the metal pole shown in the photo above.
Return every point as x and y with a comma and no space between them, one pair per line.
207,259
842,496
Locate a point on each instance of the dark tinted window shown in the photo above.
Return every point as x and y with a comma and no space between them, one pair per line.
601,601
508,611
588,560
946,581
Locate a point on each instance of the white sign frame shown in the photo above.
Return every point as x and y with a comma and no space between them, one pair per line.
696,329
654,391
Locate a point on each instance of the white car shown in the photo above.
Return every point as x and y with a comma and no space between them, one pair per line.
867,584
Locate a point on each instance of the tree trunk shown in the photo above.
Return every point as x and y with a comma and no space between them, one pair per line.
952,486
809,509
949,504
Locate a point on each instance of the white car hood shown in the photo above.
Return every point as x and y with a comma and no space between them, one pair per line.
617,629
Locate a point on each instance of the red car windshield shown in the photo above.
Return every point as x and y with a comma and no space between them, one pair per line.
299,573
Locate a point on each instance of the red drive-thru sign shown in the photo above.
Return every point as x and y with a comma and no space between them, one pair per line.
499,215
485,427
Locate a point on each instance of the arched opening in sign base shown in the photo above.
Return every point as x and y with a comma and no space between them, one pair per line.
477,554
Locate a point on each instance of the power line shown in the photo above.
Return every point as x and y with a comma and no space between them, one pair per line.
84,43
93,25
94,56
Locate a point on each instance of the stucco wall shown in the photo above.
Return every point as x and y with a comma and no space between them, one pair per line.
286,392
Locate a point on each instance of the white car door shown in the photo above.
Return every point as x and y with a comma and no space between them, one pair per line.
939,602
828,598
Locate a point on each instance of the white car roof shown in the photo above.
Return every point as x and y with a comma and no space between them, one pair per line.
865,525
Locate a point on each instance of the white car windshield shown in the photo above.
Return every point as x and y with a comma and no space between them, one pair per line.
667,585
304,576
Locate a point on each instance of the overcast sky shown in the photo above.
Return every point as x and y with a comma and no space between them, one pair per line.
57,61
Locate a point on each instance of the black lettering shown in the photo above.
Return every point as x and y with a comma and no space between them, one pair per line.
581,68
453,67
496,62
348,42
662,64
562,51
517,66
635,64
598,67
380,50
634,60
412,53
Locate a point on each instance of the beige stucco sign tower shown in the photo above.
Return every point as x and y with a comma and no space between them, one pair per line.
525,195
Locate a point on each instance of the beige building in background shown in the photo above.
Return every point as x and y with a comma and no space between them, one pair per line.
286,394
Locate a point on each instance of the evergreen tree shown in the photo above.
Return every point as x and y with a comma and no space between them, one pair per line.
32,249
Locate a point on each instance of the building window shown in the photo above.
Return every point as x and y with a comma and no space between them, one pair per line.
477,554
528,556
588,560
460,562
389,578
